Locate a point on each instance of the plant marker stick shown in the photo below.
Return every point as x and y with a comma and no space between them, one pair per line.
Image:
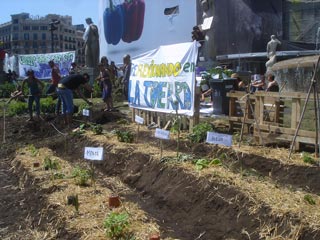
138,130
4,124
161,148
93,177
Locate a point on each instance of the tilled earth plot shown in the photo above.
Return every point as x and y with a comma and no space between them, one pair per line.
236,196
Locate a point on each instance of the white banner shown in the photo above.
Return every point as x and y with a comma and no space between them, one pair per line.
39,63
163,79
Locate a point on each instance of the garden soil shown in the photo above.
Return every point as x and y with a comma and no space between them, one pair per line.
249,192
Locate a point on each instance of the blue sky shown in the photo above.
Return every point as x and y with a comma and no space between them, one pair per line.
78,9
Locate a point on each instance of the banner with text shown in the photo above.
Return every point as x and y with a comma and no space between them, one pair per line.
163,79
39,63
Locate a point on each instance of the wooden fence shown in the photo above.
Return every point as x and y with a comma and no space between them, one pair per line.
272,117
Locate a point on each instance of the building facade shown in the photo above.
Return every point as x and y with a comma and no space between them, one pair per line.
34,35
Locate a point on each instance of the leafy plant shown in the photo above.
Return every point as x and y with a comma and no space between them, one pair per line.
199,132
50,164
116,225
123,121
97,129
306,157
124,136
205,163
6,89
81,176
17,108
48,105
83,106
34,151
309,199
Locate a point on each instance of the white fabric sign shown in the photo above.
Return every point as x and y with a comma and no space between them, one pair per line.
91,153
162,134
219,138
163,79
139,119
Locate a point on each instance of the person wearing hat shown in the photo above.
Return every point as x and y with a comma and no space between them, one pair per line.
91,44
65,90
35,87
239,84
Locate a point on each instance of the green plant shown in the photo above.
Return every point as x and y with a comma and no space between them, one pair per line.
309,199
97,129
34,151
48,105
123,121
50,164
116,225
199,132
124,136
306,157
205,163
6,89
83,106
17,108
81,176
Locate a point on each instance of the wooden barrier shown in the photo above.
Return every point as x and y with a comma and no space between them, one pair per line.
276,116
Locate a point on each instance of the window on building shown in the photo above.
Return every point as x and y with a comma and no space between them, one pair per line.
26,36
44,28
35,45
15,28
35,28
26,44
26,27
15,21
66,46
43,36
15,36
35,36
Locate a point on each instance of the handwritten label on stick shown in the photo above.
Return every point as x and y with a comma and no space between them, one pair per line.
162,134
86,112
139,119
91,153
218,138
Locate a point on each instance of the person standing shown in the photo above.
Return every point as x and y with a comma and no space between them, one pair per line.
105,81
55,79
126,75
91,41
65,90
35,87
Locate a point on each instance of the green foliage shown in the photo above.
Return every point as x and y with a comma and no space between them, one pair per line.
48,105
205,163
97,129
81,176
82,106
58,175
123,121
306,157
6,89
50,164
17,108
96,90
116,225
34,151
124,136
309,199
199,132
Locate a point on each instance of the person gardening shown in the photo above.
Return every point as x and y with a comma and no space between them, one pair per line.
65,90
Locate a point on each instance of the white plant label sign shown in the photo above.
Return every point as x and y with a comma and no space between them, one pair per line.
162,134
219,138
92,153
86,112
139,119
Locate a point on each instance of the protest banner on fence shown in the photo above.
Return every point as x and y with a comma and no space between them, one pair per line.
163,79
39,63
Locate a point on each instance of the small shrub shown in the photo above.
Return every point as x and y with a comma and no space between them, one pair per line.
124,136
48,105
50,164
34,151
308,159
17,108
308,198
205,163
96,129
6,89
116,225
81,176
199,132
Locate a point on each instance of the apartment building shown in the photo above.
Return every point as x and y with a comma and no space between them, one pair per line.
26,34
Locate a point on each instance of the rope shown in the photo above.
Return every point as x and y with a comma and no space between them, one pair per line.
55,128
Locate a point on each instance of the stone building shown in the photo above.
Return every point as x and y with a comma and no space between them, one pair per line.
26,34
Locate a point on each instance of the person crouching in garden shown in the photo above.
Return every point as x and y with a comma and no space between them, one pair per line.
35,87
65,90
